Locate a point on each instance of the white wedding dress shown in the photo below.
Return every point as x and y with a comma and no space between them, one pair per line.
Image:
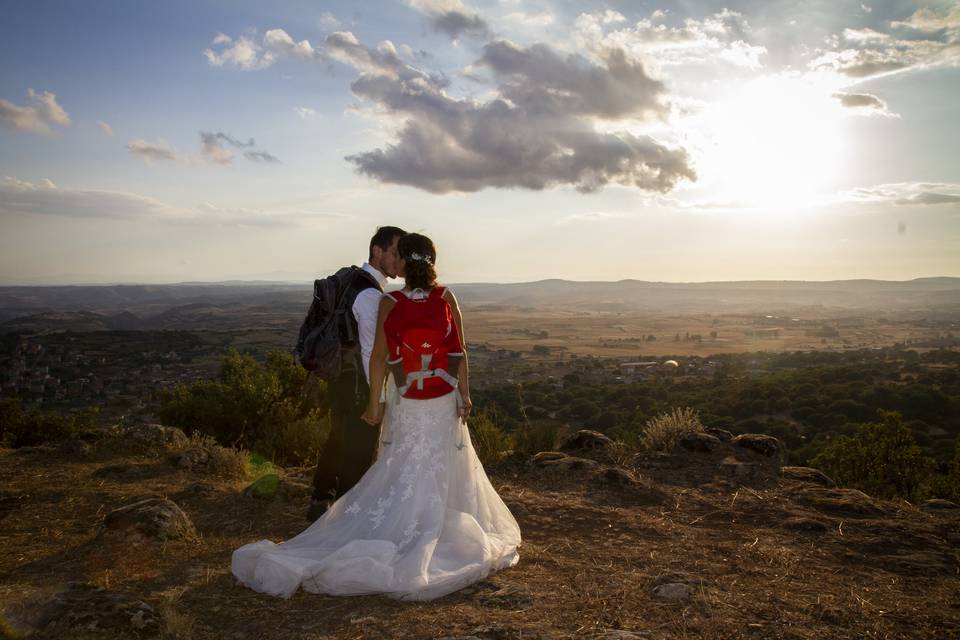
423,522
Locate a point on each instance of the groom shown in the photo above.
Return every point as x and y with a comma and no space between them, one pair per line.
352,444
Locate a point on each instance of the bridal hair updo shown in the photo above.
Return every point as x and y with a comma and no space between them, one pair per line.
421,257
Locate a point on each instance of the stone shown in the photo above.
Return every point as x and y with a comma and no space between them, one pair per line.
638,492
193,458
547,456
86,608
807,474
586,440
720,434
938,505
698,442
513,597
151,519
760,443
264,487
672,592
740,472
157,435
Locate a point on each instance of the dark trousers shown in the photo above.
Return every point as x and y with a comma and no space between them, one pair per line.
352,445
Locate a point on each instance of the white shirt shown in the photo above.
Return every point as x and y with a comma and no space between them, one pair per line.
365,309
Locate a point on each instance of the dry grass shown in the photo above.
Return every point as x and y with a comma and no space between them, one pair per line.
227,462
587,564
662,432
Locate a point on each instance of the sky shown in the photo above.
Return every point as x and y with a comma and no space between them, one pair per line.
163,142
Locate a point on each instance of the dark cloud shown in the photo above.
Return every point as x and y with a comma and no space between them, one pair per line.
214,148
930,197
260,156
457,23
865,103
537,134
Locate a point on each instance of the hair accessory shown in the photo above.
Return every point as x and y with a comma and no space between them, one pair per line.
419,257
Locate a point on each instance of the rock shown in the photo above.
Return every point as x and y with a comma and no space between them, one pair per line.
264,487
75,447
156,435
698,442
639,492
586,440
806,474
86,608
153,519
740,472
763,444
546,456
720,434
192,458
197,489
672,592
557,460
938,505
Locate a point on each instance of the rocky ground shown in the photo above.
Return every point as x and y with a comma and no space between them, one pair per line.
129,534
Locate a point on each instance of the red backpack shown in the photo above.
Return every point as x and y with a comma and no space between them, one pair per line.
424,345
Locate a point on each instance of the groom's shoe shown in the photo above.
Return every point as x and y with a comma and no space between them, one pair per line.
317,509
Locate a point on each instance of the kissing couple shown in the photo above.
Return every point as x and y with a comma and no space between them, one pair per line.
401,504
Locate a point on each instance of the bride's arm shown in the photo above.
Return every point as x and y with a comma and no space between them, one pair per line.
463,373
378,363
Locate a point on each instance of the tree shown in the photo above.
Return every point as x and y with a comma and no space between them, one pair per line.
881,458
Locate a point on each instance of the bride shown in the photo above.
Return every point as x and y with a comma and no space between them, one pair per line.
424,521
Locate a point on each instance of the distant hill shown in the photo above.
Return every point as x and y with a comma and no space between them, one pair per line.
194,305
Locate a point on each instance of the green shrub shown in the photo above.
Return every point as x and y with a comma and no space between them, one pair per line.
531,439
663,431
271,408
880,458
28,428
489,440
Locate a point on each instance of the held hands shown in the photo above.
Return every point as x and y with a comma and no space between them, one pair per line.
374,413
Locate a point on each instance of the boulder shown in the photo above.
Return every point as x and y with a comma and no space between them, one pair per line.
937,505
193,458
698,442
806,474
151,519
557,460
88,609
672,592
586,440
156,435
760,443
721,434
844,503
264,487
740,472
638,491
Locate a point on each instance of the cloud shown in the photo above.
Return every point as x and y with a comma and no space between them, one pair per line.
248,54
150,152
214,148
866,103
452,18
260,156
107,129
328,21
305,112
906,193
37,117
721,36
19,197
925,39
538,130
537,133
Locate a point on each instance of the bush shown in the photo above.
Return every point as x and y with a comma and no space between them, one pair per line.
663,431
489,441
225,461
20,428
880,458
531,439
271,408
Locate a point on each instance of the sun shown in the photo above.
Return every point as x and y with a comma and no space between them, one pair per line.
777,143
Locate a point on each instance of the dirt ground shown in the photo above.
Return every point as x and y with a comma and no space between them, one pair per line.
774,560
